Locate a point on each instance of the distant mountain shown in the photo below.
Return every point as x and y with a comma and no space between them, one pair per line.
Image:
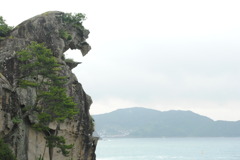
142,122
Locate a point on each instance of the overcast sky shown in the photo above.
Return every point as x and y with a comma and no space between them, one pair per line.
159,54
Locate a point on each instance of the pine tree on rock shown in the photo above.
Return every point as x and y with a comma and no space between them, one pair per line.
41,70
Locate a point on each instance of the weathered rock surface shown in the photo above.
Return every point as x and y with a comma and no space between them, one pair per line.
27,143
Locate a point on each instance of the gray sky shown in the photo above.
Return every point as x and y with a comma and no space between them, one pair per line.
160,54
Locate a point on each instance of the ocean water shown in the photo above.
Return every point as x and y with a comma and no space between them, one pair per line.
169,149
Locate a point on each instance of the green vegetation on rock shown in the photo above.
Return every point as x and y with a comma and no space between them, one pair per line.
74,19
41,70
65,35
69,60
92,124
5,152
4,28
16,120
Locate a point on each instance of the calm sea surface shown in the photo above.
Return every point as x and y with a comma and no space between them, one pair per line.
169,149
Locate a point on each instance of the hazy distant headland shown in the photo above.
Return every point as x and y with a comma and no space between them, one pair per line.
142,122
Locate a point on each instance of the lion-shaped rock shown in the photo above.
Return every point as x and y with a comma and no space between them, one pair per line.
28,144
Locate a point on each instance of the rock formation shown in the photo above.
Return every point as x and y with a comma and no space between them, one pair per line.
27,143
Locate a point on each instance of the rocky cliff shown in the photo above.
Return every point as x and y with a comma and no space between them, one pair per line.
26,142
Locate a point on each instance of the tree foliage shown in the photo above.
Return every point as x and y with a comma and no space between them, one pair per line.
65,35
5,152
59,142
73,19
4,28
40,69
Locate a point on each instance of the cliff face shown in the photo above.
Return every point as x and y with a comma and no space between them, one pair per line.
27,143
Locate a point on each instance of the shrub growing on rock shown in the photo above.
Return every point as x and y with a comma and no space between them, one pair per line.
4,28
5,152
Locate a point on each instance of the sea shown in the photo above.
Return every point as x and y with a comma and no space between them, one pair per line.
168,149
